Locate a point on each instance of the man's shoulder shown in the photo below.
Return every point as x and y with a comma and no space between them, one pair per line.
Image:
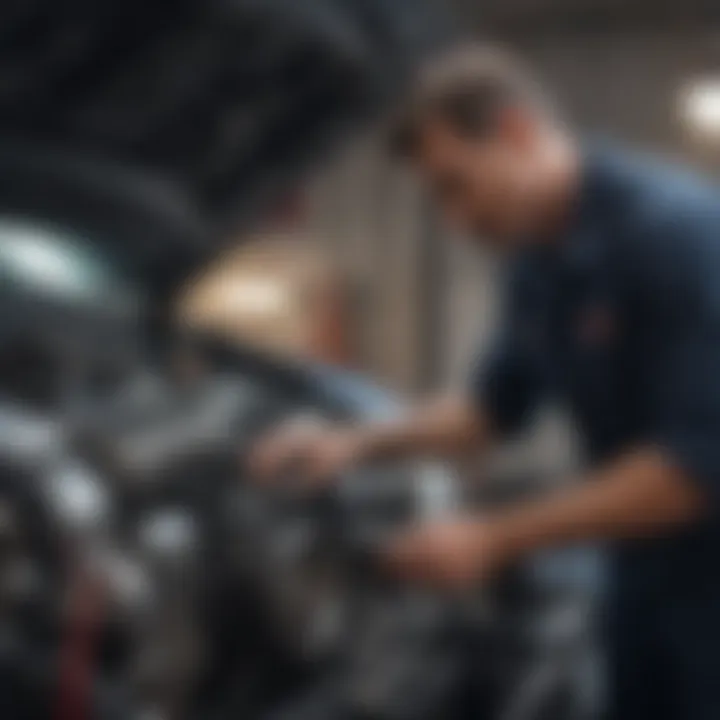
661,216
650,194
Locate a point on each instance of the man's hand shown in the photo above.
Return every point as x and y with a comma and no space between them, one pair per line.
641,494
315,453
443,427
454,554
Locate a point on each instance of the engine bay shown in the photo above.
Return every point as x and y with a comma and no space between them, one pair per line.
137,486
135,554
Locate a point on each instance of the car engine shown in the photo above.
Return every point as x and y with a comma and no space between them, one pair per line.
143,576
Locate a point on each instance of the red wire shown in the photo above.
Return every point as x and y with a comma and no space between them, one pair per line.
77,652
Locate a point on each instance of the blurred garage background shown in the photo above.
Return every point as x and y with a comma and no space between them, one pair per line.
360,272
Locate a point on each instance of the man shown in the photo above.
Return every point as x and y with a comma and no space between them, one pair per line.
613,306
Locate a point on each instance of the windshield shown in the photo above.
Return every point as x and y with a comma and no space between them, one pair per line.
54,263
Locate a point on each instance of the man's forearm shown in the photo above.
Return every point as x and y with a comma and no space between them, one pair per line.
639,495
441,427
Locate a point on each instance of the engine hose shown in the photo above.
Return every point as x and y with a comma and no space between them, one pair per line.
77,651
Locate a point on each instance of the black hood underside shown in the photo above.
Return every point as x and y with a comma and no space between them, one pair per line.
227,101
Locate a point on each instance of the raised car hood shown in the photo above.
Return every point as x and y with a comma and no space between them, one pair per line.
221,102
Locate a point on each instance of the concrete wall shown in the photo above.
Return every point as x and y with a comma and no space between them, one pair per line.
370,215
629,85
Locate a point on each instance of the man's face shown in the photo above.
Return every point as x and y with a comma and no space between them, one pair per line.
484,186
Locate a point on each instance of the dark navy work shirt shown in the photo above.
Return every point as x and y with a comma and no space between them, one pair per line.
620,320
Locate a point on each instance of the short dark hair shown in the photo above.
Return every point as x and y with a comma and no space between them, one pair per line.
466,87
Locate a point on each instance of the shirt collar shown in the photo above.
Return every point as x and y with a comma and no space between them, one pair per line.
580,245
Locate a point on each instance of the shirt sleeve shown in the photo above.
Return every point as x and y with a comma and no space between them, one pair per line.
506,384
678,286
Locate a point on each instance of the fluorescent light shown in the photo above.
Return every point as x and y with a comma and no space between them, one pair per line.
700,106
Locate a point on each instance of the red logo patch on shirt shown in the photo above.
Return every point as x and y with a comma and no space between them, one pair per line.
596,326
